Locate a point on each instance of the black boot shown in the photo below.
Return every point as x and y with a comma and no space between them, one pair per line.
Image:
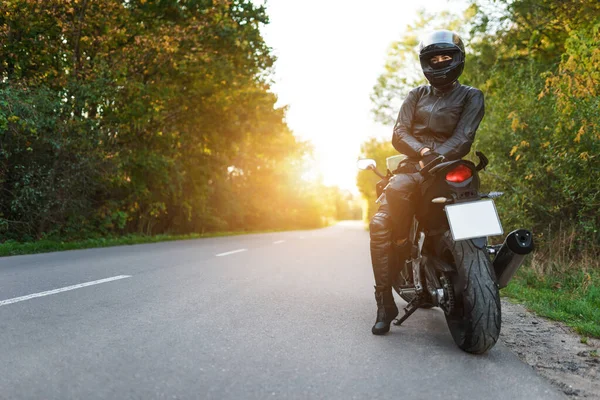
386,310
381,247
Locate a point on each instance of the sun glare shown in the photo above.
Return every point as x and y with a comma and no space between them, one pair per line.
326,74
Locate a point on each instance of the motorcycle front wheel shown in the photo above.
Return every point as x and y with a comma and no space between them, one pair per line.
476,317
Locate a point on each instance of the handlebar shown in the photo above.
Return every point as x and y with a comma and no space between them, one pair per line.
425,170
374,169
433,165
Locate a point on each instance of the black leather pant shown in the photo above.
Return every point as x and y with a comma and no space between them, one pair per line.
390,226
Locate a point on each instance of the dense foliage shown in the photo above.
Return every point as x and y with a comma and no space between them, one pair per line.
144,116
538,64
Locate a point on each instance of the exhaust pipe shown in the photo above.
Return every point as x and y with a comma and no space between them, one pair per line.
509,258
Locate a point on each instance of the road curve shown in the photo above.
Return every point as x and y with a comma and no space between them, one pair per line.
279,315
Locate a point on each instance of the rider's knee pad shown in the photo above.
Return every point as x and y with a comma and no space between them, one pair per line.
380,227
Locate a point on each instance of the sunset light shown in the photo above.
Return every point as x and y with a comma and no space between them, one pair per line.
326,70
299,199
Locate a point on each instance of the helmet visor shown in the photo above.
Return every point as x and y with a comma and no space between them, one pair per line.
440,61
436,60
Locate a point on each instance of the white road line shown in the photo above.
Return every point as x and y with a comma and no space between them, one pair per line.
64,289
230,252
279,242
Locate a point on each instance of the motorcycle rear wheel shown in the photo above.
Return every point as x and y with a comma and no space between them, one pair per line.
476,320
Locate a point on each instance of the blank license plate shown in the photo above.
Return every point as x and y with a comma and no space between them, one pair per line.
472,220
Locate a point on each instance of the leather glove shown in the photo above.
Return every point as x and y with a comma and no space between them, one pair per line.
429,157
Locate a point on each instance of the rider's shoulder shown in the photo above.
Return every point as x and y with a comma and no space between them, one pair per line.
420,91
472,91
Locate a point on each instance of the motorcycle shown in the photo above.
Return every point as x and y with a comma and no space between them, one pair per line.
452,266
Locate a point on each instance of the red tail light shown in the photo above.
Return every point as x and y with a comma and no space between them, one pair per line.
459,174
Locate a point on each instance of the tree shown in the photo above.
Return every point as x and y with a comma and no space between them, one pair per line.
537,63
143,116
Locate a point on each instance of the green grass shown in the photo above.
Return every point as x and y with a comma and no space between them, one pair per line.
572,298
13,248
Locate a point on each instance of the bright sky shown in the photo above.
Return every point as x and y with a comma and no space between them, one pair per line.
330,53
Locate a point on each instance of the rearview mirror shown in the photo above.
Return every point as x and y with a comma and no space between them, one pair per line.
366,163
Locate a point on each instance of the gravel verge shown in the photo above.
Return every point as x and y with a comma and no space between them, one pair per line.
554,350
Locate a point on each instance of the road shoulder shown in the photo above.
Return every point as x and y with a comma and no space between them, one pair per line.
553,350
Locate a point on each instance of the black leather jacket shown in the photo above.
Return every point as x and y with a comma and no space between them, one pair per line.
444,121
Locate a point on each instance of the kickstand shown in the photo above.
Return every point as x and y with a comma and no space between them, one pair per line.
408,311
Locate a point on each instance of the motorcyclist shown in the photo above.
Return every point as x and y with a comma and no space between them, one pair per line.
435,120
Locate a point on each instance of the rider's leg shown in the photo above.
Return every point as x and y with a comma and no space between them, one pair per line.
381,246
402,195
394,215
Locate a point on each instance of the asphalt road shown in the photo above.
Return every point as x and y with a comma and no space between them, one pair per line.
289,317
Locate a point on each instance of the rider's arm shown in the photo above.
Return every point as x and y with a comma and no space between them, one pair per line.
402,139
459,144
